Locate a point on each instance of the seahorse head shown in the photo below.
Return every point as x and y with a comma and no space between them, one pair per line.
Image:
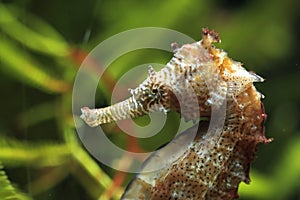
151,95
198,75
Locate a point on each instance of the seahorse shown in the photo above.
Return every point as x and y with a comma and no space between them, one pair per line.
215,161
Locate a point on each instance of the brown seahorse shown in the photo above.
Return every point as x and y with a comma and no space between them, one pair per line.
199,78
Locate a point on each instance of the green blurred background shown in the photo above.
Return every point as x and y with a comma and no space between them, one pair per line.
42,44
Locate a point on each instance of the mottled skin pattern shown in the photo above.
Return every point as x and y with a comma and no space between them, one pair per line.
216,161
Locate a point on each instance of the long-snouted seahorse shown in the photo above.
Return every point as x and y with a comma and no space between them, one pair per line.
216,161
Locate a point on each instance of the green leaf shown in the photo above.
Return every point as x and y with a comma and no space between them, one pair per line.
15,153
19,64
37,114
7,191
30,38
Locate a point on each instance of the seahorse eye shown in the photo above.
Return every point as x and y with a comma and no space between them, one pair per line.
154,90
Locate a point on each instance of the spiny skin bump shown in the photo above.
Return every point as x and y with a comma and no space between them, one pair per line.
215,161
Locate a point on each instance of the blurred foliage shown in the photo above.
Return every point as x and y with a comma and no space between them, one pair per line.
43,42
7,190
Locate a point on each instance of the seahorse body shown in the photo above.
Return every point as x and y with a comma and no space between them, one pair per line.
210,168
216,161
